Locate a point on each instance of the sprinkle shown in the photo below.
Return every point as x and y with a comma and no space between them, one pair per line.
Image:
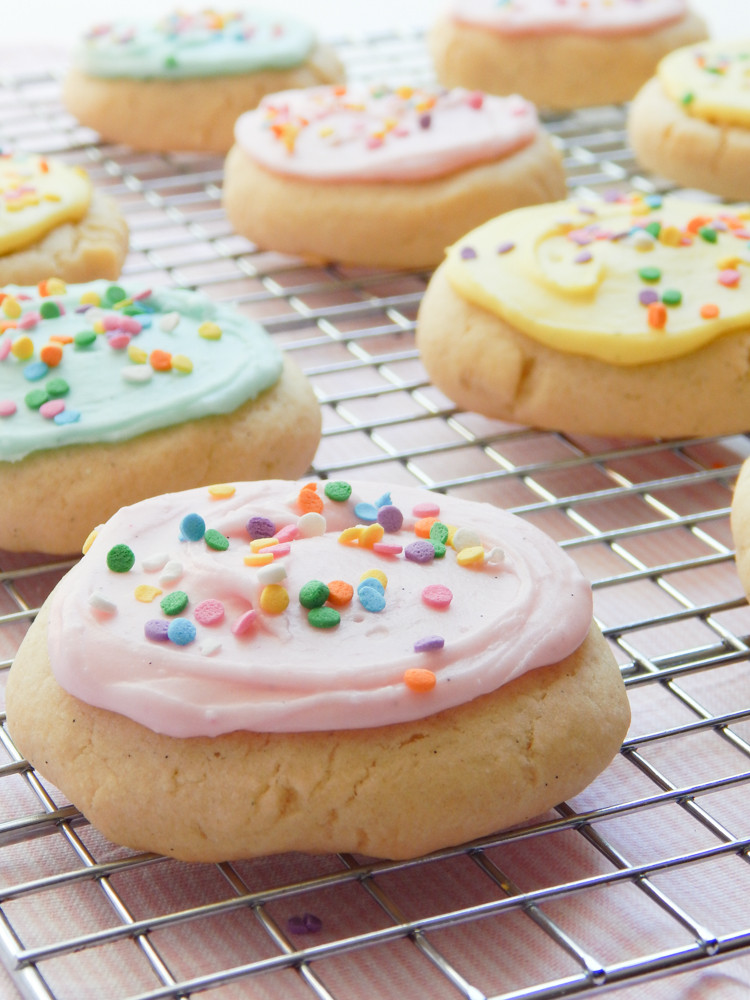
671,297
340,592
52,408
311,525
209,612
437,596
495,555
12,307
708,234
337,491
35,371
657,316
48,310
222,491
439,532
258,559
169,321
57,387
471,556
375,574
68,417
290,531
371,598
22,348
156,629
172,571
155,562
308,923
468,253
274,599
51,355
84,339
423,525
670,236
429,643
373,582
649,274
35,398
89,541
426,509
115,294
419,552
193,527
257,544
709,310
313,594
216,541
350,536
174,603
90,298
647,296
210,647
120,558
136,374
583,258
387,549
100,603
419,680
506,247
273,572
323,617
366,512
308,500
465,538
181,632
182,364
7,407
390,518
729,277
260,527
209,331
160,361
145,593
370,535
384,501
245,622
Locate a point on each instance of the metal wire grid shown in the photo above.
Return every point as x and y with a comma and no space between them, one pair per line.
648,523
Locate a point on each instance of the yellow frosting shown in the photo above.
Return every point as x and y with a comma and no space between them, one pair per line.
36,196
630,282
711,81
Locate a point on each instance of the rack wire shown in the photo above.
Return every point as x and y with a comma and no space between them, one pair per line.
639,886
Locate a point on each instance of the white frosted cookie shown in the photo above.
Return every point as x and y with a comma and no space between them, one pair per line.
264,668
381,176
181,82
619,318
560,55
112,393
691,122
52,222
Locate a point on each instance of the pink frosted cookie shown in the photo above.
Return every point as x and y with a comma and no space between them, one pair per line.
561,54
329,654
383,177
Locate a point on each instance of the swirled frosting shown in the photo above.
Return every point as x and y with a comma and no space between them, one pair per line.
711,81
186,612
583,17
208,43
380,133
628,281
103,362
36,196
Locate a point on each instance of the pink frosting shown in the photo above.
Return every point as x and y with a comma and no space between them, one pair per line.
585,17
274,672
369,133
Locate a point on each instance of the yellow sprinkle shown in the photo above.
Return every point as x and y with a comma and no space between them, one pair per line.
258,559
90,299
274,599
405,92
640,208
389,124
472,556
670,236
350,536
325,131
257,544
732,262
375,574
222,490
11,307
22,347
145,593
98,326
56,286
371,534
137,355
182,363
122,304
209,331
452,529
50,196
89,541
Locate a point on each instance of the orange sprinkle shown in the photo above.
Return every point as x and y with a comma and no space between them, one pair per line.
161,361
423,525
51,354
657,315
44,166
698,222
340,592
419,679
709,310
42,288
8,324
61,338
308,500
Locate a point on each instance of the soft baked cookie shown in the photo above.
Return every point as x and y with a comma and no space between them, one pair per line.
560,54
258,668
610,318
52,222
180,83
112,393
691,122
382,176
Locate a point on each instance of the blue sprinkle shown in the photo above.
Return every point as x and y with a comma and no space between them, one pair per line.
371,582
193,527
35,371
384,501
371,599
67,417
181,631
653,200
366,512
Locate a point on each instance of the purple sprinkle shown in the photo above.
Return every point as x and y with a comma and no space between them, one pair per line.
506,247
156,629
585,210
425,121
429,643
391,518
420,552
581,236
647,296
612,196
308,923
260,527
468,253
583,258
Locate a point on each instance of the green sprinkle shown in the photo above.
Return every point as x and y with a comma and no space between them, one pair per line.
115,294
654,228
323,617
439,548
57,387
649,274
215,540
170,62
687,98
120,558
49,310
36,398
313,594
338,490
439,532
133,311
708,234
174,603
672,297
85,338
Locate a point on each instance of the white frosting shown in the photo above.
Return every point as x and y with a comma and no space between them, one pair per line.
507,616
588,17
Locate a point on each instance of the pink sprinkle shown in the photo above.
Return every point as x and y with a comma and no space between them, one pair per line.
288,533
111,322
277,551
437,596
245,622
128,324
29,321
475,100
730,277
51,408
374,142
7,407
385,549
141,295
426,509
4,348
118,341
209,612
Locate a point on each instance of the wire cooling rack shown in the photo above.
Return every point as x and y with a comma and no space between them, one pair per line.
639,886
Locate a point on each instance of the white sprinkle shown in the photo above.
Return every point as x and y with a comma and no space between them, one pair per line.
274,572
172,572
156,561
311,524
101,603
210,647
138,374
495,555
169,321
465,538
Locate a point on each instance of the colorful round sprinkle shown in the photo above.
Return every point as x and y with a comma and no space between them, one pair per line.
313,594
193,527
215,540
174,603
120,558
390,518
181,631
209,612
337,490
419,552
323,617
437,595
260,527
429,644
156,629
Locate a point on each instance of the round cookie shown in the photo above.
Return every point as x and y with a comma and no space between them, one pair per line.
623,318
561,56
112,393
691,122
213,702
133,82
383,177
740,524
53,223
